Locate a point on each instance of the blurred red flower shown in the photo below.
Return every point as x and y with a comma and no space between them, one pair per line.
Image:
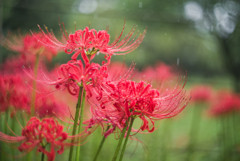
225,103
28,46
201,93
15,96
161,72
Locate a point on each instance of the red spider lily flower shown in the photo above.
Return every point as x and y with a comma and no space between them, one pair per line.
13,96
72,75
40,134
14,65
161,72
48,105
225,103
88,43
201,93
28,46
122,99
117,70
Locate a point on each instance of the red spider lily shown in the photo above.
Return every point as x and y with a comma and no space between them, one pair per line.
12,93
117,70
201,93
28,46
225,103
122,99
15,96
73,75
15,65
161,72
40,134
47,104
90,42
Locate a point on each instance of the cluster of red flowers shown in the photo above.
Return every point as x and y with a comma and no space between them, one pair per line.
113,99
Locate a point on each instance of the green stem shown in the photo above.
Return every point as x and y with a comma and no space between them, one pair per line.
81,120
6,128
120,141
194,131
126,140
166,138
100,146
13,129
42,157
34,85
75,121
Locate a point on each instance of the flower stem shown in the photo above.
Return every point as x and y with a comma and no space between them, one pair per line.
126,139
76,120
81,120
13,129
194,131
34,85
120,141
42,157
100,146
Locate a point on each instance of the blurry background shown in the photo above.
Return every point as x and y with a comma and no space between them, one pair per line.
201,37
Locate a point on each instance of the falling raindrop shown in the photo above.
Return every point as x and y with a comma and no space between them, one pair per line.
177,61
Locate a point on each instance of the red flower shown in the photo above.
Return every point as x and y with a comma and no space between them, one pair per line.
161,72
13,96
201,93
123,99
90,42
225,103
40,134
15,65
72,75
28,46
